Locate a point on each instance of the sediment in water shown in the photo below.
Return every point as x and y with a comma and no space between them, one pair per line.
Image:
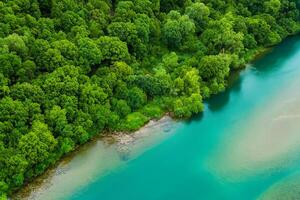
99,156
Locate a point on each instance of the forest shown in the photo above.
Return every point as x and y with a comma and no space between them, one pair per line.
73,69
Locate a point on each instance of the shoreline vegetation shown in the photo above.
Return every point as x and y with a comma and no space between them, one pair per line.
121,142
122,139
71,70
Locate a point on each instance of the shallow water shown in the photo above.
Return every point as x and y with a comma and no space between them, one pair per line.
246,145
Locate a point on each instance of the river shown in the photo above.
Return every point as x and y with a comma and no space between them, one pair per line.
246,145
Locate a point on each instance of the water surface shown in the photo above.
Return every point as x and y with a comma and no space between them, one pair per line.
246,145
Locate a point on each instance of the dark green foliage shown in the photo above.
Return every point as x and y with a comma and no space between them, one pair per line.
70,69
177,29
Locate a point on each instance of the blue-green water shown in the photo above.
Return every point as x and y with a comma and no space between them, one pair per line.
246,141
213,156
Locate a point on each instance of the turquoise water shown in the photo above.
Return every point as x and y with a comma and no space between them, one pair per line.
206,157
244,146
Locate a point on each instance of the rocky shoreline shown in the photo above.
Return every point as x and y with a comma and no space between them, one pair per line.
125,141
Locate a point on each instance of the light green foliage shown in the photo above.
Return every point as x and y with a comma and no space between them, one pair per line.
57,120
143,27
27,71
70,69
177,29
214,66
198,12
122,70
214,69
126,31
89,51
152,111
272,6
220,37
113,49
191,82
37,145
9,63
134,121
16,44
185,107
261,30
170,61
125,11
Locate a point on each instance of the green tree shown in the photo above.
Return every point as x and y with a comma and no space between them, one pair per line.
13,120
272,6
177,29
121,108
214,69
15,43
198,12
220,37
57,120
37,145
89,52
113,49
136,98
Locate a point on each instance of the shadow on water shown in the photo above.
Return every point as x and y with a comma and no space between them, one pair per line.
196,118
271,61
219,101
203,166
216,102
266,65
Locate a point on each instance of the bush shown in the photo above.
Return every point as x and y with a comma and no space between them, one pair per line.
134,121
152,111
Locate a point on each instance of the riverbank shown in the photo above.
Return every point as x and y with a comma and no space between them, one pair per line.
108,151
120,140
187,152
246,118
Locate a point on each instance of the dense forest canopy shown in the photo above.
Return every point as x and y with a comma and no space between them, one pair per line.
70,69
